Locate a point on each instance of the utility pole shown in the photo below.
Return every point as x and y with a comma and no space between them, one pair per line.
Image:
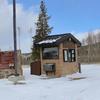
30,32
19,36
14,36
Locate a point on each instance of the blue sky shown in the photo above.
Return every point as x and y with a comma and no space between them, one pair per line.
75,16
70,15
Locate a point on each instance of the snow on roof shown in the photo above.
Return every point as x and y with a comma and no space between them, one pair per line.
54,38
48,41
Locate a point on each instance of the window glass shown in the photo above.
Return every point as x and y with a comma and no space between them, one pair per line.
69,55
66,56
50,53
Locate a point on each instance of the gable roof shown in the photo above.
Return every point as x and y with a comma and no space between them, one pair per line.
57,39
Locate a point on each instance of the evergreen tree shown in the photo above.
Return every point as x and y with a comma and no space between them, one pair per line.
42,30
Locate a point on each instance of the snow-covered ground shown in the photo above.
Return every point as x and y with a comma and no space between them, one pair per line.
62,88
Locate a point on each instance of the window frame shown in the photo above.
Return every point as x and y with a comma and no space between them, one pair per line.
69,58
51,57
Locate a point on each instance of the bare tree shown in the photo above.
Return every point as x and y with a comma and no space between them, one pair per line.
98,37
91,40
92,47
83,42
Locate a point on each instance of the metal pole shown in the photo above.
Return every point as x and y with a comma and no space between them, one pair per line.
14,36
19,36
30,31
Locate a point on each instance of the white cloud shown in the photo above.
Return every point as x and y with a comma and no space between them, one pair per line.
25,20
83,35
79,36
96,31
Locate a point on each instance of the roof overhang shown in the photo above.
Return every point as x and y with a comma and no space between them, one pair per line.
54,40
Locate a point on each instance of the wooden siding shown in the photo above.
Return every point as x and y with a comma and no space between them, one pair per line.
36,68
62,68
6,58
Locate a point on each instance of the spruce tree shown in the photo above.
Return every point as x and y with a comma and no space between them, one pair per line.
42,30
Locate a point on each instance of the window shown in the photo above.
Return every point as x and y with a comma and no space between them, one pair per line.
65,55
69,55
50,53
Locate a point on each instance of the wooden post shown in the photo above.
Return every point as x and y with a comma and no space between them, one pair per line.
79,65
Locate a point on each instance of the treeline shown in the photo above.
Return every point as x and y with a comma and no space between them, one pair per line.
90,50
91,38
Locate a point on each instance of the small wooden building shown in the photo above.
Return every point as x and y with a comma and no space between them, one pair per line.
59,54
